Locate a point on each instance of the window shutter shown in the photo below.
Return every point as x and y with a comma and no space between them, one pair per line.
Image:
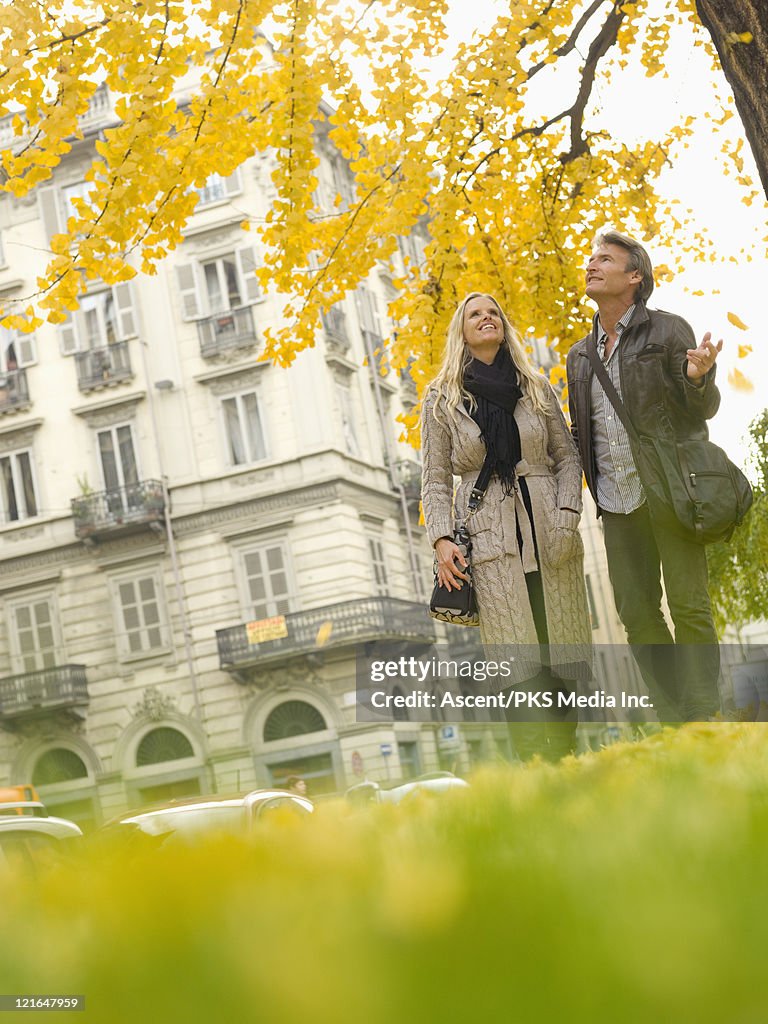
247,260
189,293
25,349
233,184
49,210
126,321
367,312
69,335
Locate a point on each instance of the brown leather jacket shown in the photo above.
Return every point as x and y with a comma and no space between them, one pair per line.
657,394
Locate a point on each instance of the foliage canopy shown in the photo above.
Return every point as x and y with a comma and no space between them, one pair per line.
507,156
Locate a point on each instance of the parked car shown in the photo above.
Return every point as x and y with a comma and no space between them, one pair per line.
31,838
187,819
434,783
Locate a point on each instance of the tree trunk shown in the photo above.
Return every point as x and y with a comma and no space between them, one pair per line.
745,65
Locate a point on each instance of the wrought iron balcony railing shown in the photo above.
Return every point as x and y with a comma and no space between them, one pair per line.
14,391
233,328
409,475
115,510
331,626
103,367
335,326
60,688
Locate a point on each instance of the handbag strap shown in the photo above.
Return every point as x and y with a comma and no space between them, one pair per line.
610,391
477,493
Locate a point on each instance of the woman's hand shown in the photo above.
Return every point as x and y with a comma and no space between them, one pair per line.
449,575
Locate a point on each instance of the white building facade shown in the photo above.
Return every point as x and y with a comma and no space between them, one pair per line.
196,543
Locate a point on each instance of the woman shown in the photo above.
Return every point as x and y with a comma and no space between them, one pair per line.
527,555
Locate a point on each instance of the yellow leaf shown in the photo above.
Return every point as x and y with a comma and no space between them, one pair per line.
739,382
733,319
324,634
744,351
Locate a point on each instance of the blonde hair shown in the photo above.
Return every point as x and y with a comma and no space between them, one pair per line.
449,381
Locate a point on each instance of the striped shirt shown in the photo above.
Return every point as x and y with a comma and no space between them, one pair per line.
618,482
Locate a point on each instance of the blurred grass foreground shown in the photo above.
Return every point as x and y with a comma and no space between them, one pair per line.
628,885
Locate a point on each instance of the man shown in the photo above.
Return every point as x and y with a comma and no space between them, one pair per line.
667,385
295,784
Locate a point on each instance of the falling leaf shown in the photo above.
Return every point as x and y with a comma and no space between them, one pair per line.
744,351
739,382
324,633
737,322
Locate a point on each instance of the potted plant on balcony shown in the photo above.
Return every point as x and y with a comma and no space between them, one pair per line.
82,509
154,498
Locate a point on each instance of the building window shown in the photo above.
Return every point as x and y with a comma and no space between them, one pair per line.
34,634
243,428
219,284
222,284
409,759
267,585
58,765
17,487
140,611
591,602
379,566
69,194
368,312
120,470
17,350
163,744
104,318
348,426
218,188
292,718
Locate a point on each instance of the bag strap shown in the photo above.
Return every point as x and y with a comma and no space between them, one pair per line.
610,391
477,493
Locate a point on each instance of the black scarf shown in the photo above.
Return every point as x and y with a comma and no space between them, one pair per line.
496,390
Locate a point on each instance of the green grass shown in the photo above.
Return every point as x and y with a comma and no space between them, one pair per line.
625,886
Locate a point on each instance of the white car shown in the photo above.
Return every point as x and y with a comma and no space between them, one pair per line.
30,837
187,819
373,792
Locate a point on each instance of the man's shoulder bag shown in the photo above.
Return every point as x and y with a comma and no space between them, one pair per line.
689,484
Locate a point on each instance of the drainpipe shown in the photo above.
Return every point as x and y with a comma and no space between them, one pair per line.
390,461
180,599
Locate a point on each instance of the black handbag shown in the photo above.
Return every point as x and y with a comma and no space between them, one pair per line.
690,484
459,607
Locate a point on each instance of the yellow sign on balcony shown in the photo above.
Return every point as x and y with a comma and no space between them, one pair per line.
266,629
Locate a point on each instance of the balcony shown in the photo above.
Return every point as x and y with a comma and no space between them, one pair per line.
225,331
103,367
14,392
408,385
122,510
49,691
408,473
99,110
335,327
333,626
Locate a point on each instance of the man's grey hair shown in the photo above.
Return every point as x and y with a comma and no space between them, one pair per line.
637,259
